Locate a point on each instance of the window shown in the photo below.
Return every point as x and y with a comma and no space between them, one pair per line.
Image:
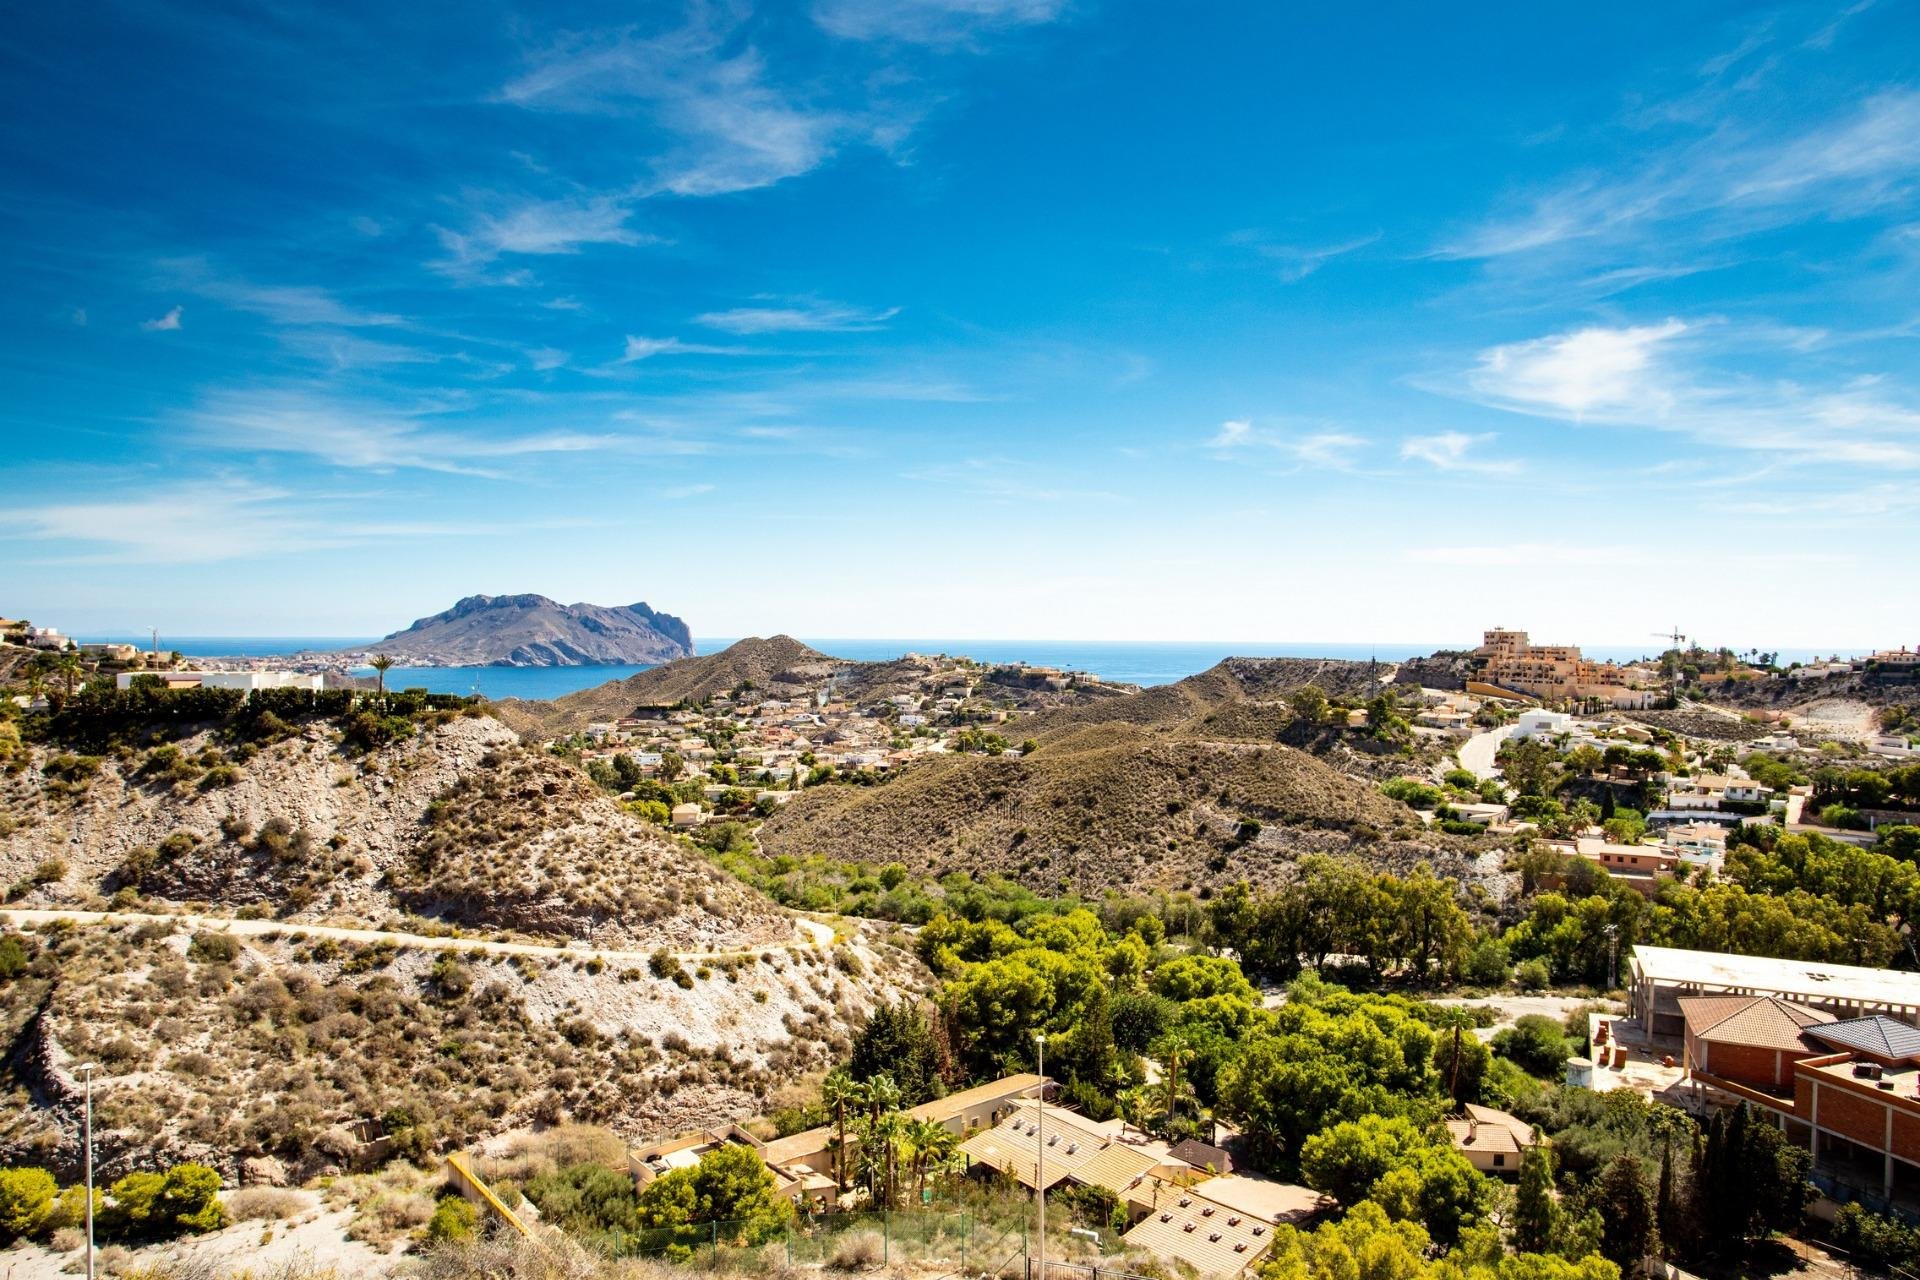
1499,1160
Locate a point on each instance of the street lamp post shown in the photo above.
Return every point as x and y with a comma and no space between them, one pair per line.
1040,1146
86,1070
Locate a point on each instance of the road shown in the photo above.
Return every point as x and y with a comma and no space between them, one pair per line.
811,933
1477,752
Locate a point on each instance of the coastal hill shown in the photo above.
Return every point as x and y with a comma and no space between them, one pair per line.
1202,782
533,631
657,994
773,665
776,667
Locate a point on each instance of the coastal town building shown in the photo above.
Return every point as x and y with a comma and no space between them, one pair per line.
1556,672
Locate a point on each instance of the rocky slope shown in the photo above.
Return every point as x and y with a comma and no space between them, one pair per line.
778,667
274,1057
533,631
676,997
457,821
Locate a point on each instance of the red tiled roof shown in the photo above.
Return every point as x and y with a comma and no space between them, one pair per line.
1757,1022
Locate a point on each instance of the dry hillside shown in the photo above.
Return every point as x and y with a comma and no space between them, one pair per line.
458,821
1109,806
256,1055
770,665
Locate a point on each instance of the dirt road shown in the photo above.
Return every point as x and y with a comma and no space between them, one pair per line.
811,933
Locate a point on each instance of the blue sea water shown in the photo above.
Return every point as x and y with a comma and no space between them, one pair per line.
1118,661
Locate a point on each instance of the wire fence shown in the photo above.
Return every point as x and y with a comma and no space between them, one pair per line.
952,1242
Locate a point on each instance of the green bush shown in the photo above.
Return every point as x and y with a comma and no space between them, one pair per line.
1535,1043
453,1220
26,1200
215,948
1534,974
185,1200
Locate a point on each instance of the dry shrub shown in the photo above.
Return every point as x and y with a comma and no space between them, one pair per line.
264,1204
857,1250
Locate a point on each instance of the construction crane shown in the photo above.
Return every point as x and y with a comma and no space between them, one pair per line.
1679,641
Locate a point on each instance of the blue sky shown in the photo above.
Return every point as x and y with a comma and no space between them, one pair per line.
967,318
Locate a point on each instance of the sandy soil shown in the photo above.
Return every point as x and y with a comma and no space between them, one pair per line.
317,1240
1835,718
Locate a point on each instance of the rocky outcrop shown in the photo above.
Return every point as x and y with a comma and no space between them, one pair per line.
533,631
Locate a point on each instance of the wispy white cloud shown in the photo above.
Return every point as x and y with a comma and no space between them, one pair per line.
1327,448
365,436
547,358
536,228
797,317
220,518
1743,181
932,22
640,348
680,492
1645,376
732,130
283,304
166,323
78,317
1454,451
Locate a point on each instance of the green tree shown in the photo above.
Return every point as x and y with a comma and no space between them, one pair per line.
1309,703
158,1206
1628,1231
26,1198
898,1042
730,1185
1534,1210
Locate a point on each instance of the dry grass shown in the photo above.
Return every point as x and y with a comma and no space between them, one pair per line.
264,1204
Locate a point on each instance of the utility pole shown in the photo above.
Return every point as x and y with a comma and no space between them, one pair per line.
1040,1149
86,1071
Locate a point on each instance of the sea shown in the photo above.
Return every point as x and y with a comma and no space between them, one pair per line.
1149,662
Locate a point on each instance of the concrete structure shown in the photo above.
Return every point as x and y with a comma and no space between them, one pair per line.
1542,724
1660,976
1491,1140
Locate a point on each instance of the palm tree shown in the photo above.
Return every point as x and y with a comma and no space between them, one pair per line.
932,1144
1176,1047
882,1095
68,665
838,1092
381,664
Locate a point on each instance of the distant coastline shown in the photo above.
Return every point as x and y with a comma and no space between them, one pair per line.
1144,662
